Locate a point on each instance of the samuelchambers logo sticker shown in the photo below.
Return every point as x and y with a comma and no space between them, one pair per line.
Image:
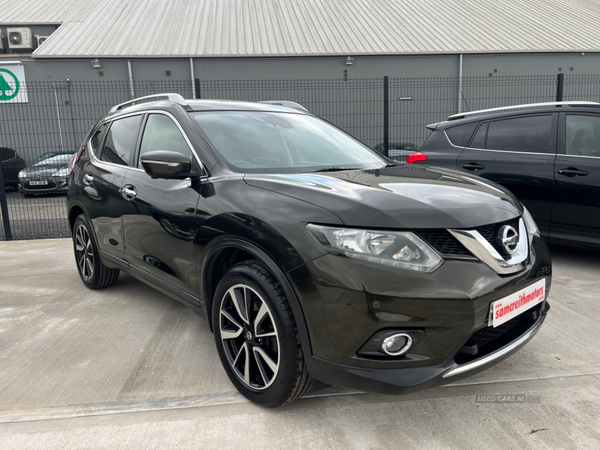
12,84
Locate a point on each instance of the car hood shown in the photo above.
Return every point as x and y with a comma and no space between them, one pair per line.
398,197
43,169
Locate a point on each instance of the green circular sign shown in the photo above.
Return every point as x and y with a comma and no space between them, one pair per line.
6,91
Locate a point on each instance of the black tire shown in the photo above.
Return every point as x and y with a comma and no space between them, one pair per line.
265,387
92,272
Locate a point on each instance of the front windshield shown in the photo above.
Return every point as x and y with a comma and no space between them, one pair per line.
273,142
58,159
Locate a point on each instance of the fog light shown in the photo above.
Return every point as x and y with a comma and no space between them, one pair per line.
391,343
397,344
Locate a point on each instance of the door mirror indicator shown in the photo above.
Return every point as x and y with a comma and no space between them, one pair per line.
170,166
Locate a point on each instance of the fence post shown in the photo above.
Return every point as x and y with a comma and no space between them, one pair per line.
386,116
197,87
560,82
4,206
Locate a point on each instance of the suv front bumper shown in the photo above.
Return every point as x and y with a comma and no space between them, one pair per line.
346,301
407,380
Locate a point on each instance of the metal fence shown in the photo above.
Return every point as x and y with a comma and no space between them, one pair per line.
376,110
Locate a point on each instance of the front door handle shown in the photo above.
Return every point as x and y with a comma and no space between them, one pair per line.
473,166
88,178
572,172
128,192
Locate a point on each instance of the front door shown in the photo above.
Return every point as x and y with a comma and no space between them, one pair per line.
160,229
517,153
576,212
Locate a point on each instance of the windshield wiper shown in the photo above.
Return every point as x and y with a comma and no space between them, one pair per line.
334,169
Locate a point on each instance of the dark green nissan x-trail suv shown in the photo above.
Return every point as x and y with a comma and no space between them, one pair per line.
315,260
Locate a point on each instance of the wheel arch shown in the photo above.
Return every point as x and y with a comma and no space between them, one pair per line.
228,251
75,209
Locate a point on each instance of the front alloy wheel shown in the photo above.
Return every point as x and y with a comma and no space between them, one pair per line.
257,336
249,337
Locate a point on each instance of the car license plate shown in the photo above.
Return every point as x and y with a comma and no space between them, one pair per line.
38,183
501,311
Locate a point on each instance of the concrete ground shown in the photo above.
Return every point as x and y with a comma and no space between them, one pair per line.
127,367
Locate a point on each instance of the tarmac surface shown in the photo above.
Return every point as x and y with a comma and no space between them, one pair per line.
127,367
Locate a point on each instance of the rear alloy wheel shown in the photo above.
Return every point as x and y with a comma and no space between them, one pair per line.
92,272
257,337
84,253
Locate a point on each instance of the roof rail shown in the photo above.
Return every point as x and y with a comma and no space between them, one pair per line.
286,104
175,98
529,105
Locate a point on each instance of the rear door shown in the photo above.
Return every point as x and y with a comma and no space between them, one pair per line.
159,226
102,178
576,212
518,153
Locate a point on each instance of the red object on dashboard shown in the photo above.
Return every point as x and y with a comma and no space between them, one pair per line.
414,157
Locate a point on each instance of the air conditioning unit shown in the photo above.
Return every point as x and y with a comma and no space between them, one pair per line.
41,39
19,38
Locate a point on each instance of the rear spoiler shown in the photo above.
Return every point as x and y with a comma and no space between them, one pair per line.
432,126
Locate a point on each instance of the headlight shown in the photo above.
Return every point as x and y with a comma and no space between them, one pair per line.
532,228
61,172
22,175
392,248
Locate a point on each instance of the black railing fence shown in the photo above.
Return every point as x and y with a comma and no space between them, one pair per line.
378,111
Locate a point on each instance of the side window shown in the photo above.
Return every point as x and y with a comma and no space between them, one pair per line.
583,135
479,139
120,140
161,133
523,134
461,134
97,137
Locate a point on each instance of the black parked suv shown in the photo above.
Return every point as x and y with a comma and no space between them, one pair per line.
312,257
547,154
11,164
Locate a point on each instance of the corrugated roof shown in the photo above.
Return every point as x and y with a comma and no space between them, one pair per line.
183,28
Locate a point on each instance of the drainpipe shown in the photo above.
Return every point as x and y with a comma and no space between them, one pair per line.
192,74
62,145
131,91
460,82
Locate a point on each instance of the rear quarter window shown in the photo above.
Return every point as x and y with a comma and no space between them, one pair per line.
460,135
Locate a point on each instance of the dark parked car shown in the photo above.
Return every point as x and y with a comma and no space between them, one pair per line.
547,154
50,175
312,257
50,155
398,151
12,164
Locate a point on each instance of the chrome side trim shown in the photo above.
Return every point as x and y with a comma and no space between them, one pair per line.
528,105
498,354
482,249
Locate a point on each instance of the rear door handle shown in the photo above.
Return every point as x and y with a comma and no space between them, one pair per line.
88,178
473,166
572,172
128,192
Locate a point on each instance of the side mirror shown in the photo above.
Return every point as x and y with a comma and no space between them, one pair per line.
168,165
